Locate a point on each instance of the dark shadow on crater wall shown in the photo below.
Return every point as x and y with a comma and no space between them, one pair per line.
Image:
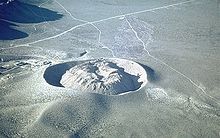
20,12
53,74
152,76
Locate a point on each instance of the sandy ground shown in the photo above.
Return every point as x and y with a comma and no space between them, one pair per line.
176,42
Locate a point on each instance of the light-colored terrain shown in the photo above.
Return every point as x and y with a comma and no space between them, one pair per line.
175,41
105,76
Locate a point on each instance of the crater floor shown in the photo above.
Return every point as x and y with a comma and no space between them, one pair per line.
105,76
